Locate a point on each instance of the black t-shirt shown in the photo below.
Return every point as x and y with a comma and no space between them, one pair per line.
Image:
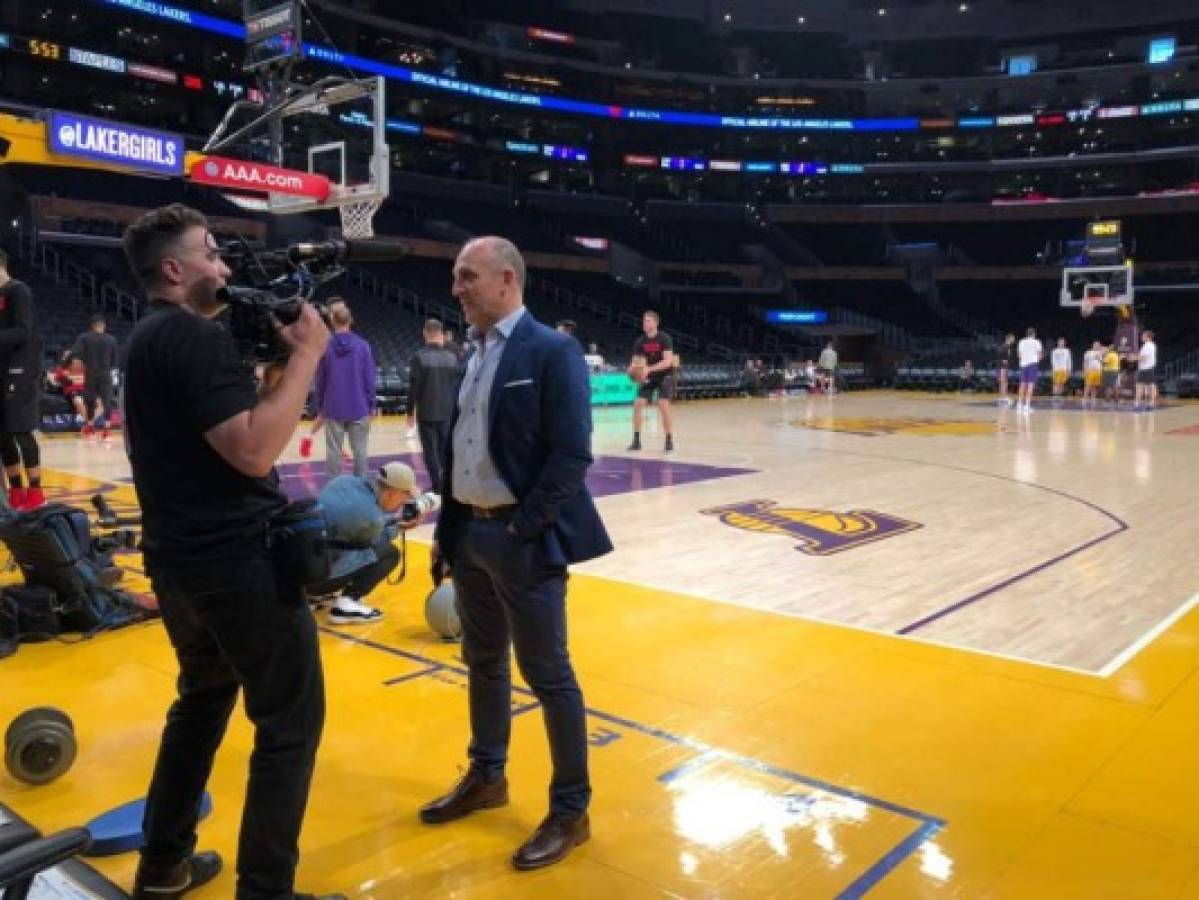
653,349
183,376
20,342
98,352
433,376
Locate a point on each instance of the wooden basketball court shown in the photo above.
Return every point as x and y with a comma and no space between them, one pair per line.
883,644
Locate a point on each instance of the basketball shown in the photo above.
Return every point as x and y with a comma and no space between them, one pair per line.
441,612
637,370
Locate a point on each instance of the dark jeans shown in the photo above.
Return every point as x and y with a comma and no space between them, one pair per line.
234,629
434,443
362,581
507,595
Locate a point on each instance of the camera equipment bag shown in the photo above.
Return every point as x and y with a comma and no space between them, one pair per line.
62,566
298,538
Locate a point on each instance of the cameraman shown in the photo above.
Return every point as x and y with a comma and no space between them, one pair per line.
202,448
362,517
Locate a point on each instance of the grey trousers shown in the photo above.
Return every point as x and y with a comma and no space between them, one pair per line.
335,433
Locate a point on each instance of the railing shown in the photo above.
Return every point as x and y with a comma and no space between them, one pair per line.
121,301
81,283
720,351
1188,362
949,351
980,329
891,334
404,298
371,284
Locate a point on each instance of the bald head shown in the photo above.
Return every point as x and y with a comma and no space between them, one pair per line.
489,280
502,254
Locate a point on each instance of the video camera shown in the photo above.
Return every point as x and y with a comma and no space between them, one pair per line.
274,284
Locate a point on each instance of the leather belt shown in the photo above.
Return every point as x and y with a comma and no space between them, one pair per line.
493,512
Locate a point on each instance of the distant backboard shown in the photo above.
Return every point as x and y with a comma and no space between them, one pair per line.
1096,286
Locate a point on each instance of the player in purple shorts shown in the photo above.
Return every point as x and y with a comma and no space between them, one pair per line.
1030,352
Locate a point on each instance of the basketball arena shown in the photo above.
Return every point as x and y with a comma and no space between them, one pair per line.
900,602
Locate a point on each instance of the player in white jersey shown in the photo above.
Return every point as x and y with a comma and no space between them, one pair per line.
1062,363
1029,351
1092,372
1147,372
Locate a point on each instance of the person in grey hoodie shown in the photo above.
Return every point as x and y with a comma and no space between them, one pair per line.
345,391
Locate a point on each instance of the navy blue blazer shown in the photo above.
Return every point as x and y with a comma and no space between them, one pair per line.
540,441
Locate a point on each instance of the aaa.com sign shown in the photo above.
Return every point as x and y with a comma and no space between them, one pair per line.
240,174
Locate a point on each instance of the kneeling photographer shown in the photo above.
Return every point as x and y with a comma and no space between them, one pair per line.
364,515
202,447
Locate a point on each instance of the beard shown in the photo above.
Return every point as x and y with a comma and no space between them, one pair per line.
202,296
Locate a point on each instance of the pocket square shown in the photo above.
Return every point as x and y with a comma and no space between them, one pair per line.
519,383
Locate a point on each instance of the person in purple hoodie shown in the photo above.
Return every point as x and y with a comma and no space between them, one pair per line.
345,391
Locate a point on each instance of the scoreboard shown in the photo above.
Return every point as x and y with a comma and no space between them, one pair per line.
1104,231
272,33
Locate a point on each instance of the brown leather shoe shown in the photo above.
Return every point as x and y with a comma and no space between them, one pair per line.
471,793
554,838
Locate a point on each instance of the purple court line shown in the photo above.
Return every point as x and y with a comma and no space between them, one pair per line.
1120,527
607,476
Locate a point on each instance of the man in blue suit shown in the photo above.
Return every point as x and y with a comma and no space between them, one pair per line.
515,513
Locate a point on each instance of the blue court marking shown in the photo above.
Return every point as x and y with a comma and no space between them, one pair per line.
419,673
928,825
897,854
692,765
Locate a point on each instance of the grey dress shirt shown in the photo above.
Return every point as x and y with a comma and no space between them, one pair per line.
475,479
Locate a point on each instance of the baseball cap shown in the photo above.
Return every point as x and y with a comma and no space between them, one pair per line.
397,475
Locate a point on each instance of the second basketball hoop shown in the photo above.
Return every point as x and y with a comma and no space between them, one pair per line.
1089,287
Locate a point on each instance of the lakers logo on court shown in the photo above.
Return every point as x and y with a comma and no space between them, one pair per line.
820,531
870,427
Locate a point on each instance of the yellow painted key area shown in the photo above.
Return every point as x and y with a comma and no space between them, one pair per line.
739,748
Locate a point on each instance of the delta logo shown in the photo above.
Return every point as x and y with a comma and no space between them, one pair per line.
820,532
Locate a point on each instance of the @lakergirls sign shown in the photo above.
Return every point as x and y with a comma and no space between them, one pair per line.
116,143
241,174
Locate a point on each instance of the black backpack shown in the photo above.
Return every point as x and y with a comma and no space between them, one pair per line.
63,567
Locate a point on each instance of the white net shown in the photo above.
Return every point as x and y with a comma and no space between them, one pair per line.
358,218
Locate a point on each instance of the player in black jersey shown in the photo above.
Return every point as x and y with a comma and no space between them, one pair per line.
656,376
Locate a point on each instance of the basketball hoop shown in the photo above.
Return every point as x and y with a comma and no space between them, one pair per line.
358,218
1089,288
